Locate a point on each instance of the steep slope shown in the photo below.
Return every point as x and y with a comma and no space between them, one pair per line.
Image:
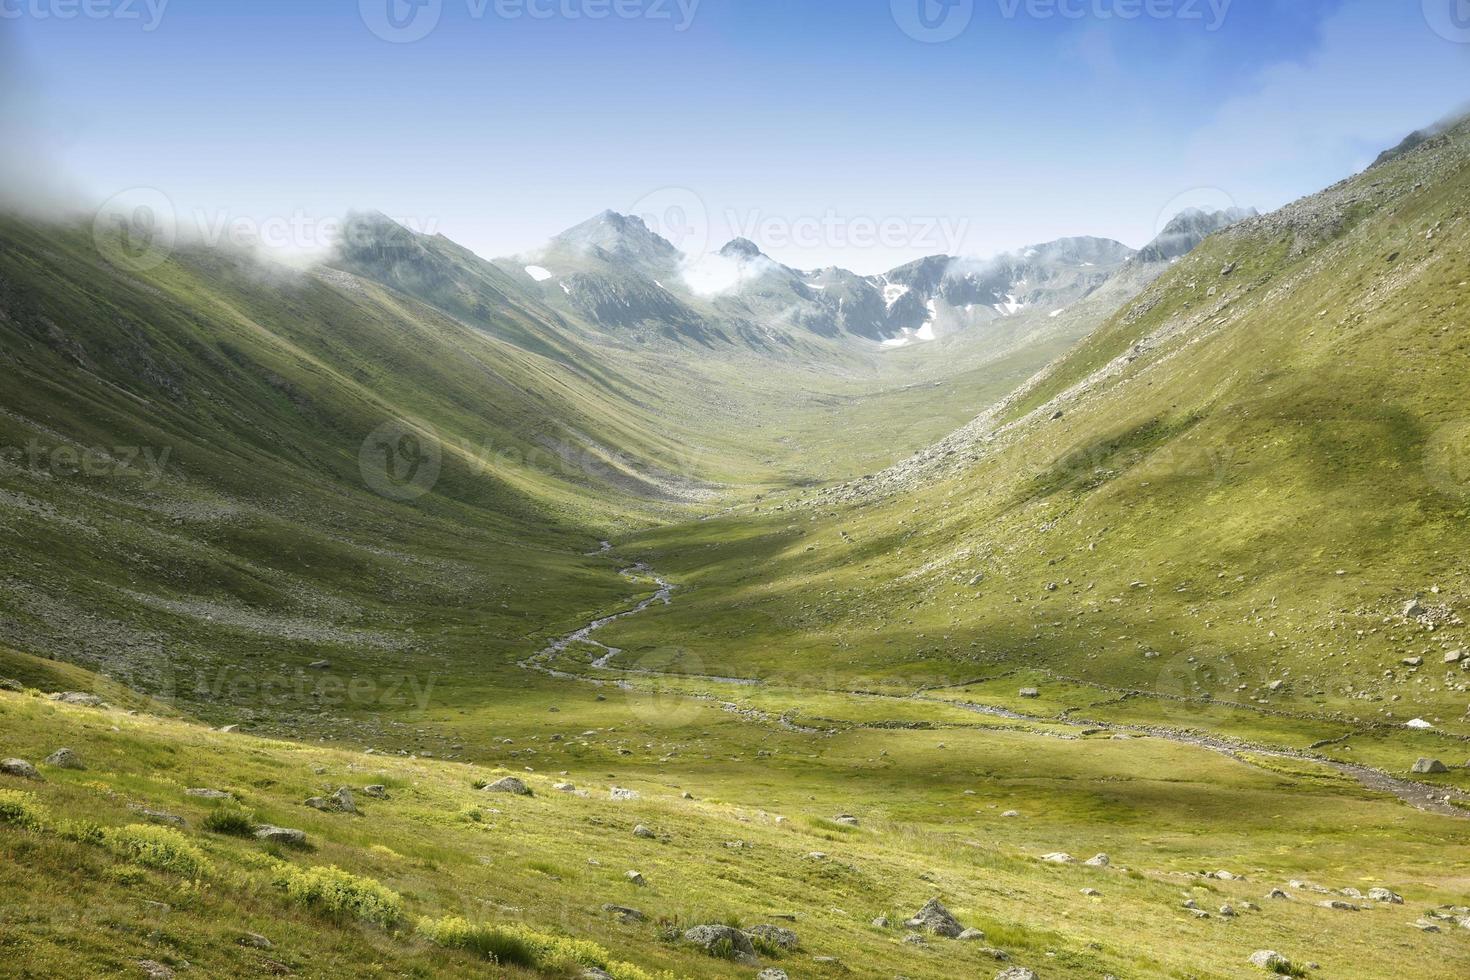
218,465
1245,491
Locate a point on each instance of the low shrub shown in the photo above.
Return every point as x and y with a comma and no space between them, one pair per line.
518,945
160,848
230,820
339,893
21,810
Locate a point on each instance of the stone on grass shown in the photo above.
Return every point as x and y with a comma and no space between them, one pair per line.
644,832
1277,893
1058,858
207,794
625,913
254,940
1091,893
621,794
914,939
1425,767
81,698
1030,693
154,970
1268,959
1384,895
935,918
339,802
281,835
846,819
971,936
594,973
1338,905
1015,973
377,791
1100,861
771,974
776,936
509,784
635,878
715,939
10,684
19,768
64,759
881,922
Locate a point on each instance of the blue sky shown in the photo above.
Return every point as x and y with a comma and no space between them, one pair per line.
803,124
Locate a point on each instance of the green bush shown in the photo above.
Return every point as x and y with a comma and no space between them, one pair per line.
339,893
231,820
161,848
21,809
518,945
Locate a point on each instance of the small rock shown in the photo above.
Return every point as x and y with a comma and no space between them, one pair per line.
1424,925
971,936
1277,893
1011,813
625,913
1099,861
19,768
1030,692
1058,858
377,791
619,793
79,698
158,816
635,878
9,684
509,784
644,832
1091,893
1384,895
1413,661
771,974
1226,912
846,819
208,794
1015,973
881,922
914,939
1338,905
319,665
254,941
154,970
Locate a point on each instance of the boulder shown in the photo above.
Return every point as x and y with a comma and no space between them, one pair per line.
158,816
881,922
624,913
1384,895
19,768
1091,893
81,698
254,941
622,795
1100,861
377,791
509,784
1338,905
154,970
771,974
1059,858
846,819
935,918
1426,767
1015,973
10,684
281,835
1266,959
208,794
644,832
776,936
339,802
635,878
1030,692
1277,893
712,938
915,939
971,936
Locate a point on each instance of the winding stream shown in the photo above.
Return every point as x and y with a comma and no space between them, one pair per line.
1419,795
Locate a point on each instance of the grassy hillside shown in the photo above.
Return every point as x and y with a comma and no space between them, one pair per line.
1229,494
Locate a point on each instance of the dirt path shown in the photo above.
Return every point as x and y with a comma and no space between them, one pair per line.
1422,796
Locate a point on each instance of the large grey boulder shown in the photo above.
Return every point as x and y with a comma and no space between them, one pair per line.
712,938
775,935
511,785
1267,959
1426,767
935,918
1384,895
79,698
281,835
339,802
1015,973
19,768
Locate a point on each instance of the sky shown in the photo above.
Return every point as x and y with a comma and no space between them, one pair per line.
860,133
